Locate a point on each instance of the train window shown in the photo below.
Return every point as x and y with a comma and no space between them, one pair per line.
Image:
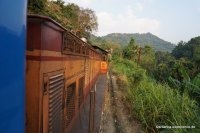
68,43
83,50
80,91
70,103
90,53
73,45
104,58
64,41
87,51
77,47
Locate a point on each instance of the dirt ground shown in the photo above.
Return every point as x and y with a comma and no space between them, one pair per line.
115,116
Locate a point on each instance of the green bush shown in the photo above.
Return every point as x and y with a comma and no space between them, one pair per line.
126,67
155,104
158,105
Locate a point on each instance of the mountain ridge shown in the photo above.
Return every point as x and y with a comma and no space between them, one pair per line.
141,39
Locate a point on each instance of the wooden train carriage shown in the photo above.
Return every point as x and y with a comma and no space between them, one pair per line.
60,71
104,60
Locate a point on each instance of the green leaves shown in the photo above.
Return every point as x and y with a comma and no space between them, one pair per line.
185,84
196,80
130,51
80,21
188,50
155,104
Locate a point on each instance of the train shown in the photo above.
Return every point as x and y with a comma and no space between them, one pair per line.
60,70
45,79
12,65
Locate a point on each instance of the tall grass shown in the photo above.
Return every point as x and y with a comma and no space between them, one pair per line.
155,104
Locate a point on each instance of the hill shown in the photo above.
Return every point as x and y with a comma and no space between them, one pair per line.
141,39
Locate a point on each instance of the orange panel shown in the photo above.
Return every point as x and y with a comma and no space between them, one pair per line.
104,67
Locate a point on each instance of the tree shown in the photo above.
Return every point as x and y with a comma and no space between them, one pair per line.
87,22
190,51
130,51
179,50
164,63
148,59
196,54
80,21
36,6
147,49
71,12
60,3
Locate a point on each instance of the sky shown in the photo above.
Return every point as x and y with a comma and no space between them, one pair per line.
171,20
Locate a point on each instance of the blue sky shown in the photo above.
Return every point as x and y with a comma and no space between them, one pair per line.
171,20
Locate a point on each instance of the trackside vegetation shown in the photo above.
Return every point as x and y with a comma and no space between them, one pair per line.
157,106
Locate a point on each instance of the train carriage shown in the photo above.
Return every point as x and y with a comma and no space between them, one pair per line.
60,71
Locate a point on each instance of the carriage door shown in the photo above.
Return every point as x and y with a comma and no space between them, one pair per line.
53,102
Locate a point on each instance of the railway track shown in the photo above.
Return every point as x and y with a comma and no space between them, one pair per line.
116,115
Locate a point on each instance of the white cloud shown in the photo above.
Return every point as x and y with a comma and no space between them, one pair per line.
140,6
125,22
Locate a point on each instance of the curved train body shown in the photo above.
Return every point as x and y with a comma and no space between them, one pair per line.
60,71
12,64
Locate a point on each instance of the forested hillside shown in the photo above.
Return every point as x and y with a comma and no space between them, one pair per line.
141,39
189,50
